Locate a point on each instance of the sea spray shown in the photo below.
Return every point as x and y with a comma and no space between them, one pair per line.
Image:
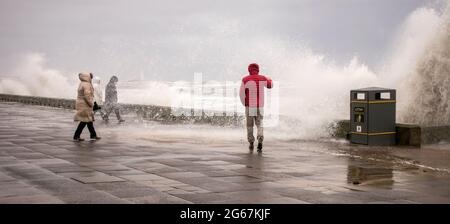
428,86
313,90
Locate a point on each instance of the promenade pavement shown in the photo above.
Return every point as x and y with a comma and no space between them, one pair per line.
149,162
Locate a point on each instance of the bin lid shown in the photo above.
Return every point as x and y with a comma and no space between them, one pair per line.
373,89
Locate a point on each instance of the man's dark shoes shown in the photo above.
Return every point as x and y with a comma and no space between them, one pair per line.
78,139
259,147
251,147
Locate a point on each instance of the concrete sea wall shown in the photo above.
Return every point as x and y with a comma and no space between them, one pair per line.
148,112
406,134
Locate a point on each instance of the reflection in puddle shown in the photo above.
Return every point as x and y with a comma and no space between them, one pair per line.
373,176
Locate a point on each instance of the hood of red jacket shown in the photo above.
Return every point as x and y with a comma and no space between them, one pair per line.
253,69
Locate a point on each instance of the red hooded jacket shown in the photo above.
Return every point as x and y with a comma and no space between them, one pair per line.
252,87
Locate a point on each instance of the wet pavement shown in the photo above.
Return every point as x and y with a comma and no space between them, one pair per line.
147,162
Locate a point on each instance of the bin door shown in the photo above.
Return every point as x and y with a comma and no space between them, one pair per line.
358,123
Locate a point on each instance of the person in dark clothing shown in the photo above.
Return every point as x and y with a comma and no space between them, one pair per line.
84,107
111,100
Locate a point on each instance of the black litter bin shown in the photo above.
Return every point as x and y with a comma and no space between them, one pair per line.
372,116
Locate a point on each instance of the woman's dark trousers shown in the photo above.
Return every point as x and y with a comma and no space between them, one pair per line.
80,128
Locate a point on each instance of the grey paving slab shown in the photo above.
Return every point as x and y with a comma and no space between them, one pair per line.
177,175
61,186
31,199
100,178
29,173
91,197
133,192
19,191
204,198
4,177
65,168
119,173
220,173
141,177
159,199
240,179
116,167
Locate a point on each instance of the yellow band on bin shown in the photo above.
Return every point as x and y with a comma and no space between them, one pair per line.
374,133
374,101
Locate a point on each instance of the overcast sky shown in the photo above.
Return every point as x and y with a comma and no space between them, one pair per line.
166,39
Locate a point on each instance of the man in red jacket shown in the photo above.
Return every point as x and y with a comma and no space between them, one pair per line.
252,97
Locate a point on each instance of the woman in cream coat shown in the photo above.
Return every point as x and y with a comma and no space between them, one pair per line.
84,107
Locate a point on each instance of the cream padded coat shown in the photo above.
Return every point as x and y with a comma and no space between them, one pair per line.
85,99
